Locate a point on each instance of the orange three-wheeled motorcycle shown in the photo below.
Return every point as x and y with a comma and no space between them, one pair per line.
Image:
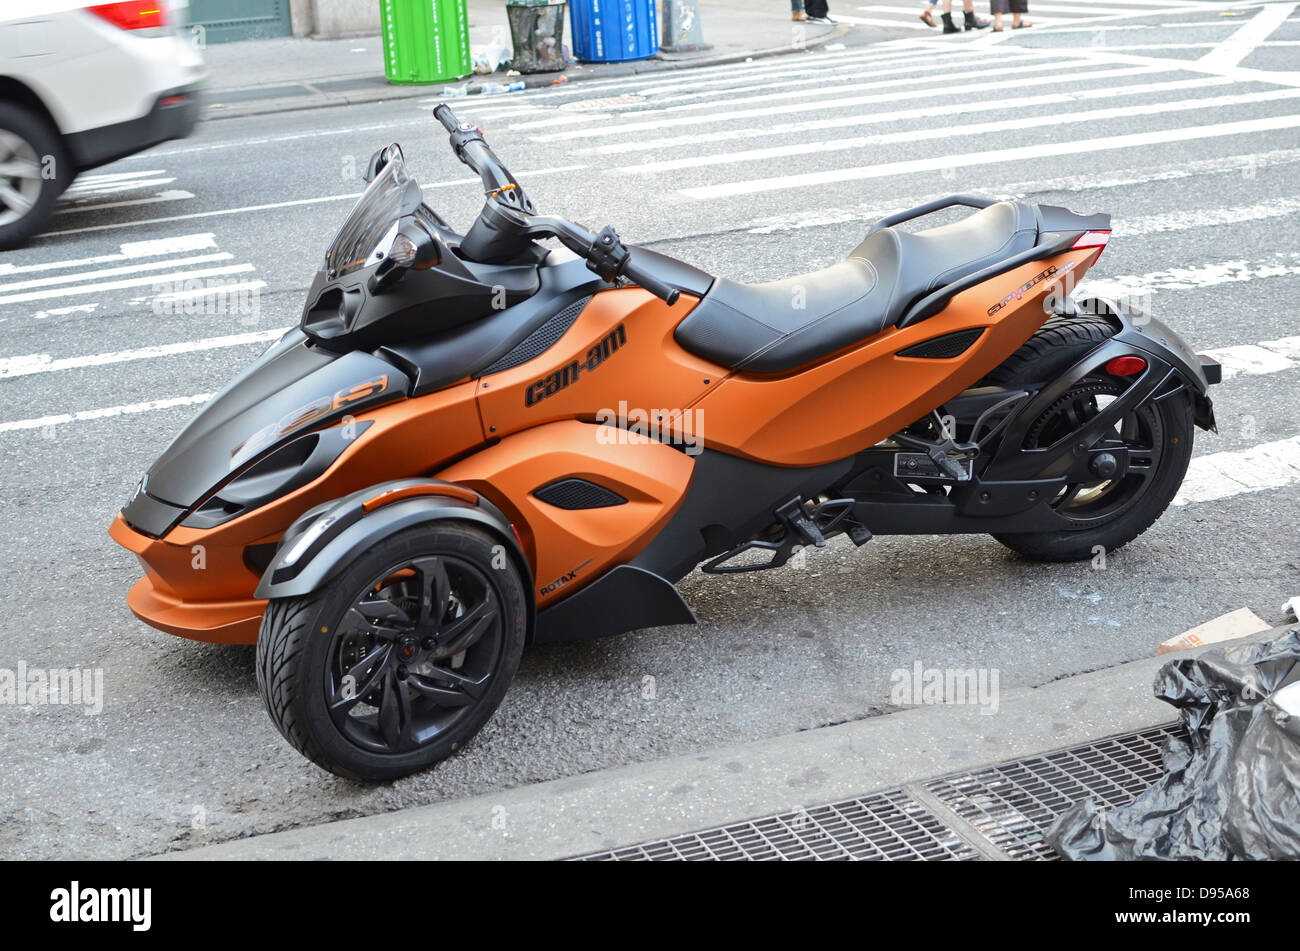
472,443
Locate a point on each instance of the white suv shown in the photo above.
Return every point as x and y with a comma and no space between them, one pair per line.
82,85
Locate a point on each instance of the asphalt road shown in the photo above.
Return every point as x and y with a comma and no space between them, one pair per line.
778,167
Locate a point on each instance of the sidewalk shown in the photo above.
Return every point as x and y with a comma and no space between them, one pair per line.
901,752
266,76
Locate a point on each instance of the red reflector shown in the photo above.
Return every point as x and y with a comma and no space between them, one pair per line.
172,100
1092,239
138,15
1125,366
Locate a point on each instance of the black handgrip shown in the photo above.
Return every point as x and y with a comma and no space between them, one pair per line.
442,112
665,292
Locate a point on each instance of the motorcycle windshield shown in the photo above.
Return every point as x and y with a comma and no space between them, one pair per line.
393,193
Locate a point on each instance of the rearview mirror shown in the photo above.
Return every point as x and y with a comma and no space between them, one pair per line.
380,159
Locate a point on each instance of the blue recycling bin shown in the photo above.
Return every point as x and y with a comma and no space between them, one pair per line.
613,31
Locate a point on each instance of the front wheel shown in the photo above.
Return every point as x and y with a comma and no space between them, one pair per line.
1103,514
400,661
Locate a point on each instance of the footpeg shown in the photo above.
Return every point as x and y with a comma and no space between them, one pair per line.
799,526
797,521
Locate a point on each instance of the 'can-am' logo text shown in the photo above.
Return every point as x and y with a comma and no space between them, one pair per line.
550,385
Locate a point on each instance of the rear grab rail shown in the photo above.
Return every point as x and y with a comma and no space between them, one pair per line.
970,201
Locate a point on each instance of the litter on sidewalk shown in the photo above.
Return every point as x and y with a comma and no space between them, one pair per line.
1232,790
1232,625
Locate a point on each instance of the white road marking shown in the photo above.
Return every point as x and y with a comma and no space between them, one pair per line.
818,147
1243,42
1190,278
113,272
523,176
175,194
1221,475
858,80
1035,62
819,105
218,290
65,311
1123,227
77,192
992,156
1251,358
43,363
128,282
96,178
127,251
788,130
879,21
107,412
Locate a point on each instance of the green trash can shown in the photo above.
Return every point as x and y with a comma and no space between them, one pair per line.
425,41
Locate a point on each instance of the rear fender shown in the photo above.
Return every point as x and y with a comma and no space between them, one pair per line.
1172,368
1144,334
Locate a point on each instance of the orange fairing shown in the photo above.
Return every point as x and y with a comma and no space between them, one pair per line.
197,582
570,547
620,349
844,405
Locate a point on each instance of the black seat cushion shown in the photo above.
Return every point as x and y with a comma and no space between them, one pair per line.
770,328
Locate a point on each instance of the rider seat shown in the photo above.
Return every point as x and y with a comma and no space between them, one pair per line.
771,328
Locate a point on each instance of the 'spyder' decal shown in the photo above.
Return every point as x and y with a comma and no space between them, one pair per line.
1024,288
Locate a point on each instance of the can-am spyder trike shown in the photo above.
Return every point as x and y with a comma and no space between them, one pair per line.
472,443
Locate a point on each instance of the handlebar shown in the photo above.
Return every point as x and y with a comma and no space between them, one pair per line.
508,218
470,147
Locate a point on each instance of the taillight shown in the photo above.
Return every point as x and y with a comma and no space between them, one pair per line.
139,15
1092,239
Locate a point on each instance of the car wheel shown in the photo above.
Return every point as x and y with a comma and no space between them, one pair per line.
34,171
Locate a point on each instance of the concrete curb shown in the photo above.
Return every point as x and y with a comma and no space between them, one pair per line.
636,803
314,97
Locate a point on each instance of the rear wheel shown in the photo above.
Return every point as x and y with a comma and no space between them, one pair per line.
401,659
1100,513
33,173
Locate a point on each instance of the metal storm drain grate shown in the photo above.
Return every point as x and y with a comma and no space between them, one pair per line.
1014,804
888,825
1004,809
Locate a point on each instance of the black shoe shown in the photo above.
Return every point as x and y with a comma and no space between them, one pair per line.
975,23
948,25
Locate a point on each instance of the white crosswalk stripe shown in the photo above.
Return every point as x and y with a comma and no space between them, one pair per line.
167,267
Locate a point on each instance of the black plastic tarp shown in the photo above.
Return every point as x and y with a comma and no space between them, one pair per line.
1232,790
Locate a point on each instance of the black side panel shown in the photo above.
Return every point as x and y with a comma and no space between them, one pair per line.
443,358
625,599
289,388
729,500
540,340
